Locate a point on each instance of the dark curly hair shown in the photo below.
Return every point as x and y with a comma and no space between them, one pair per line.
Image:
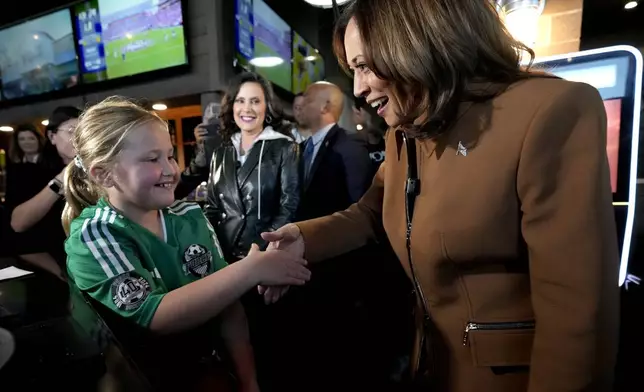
274,111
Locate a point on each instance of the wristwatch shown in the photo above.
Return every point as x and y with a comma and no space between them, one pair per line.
56,187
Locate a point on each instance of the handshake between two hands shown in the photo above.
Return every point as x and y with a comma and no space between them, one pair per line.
284,259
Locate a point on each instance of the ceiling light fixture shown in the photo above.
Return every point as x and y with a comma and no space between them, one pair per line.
266,62
6,128
325,3
45,122
630,5
159,106
521,18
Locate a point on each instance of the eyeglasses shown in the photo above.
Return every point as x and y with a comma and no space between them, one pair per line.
67,131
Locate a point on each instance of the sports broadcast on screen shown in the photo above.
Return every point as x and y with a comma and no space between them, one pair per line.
128,37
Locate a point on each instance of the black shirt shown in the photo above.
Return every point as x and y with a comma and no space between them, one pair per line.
24,181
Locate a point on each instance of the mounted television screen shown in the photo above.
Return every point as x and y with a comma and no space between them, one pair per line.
119,38
308,65
263,42
616,72
38,56
613,74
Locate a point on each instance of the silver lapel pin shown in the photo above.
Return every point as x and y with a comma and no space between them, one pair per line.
461,149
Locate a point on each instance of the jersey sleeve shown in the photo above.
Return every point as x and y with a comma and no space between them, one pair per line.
102,261
217,254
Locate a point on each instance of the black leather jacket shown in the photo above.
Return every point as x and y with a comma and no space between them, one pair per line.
236,208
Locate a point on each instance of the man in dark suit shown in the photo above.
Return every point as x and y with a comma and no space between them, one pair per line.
320,319
336,167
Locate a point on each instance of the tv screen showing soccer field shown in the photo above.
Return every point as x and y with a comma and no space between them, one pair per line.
263,42
38,56
128,37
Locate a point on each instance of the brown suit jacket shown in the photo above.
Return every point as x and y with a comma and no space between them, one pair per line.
519,229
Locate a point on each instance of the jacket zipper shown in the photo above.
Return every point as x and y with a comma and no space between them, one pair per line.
419,290
495,327
411,191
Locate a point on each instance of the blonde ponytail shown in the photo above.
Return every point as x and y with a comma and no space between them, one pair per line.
80,192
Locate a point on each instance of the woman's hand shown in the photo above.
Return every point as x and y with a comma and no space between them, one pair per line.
289,239
60,177
276,267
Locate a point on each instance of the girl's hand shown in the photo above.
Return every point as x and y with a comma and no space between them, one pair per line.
277,267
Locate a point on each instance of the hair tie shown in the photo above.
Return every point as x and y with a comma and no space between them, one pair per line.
79,163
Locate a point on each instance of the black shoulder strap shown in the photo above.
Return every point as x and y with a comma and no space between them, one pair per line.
412,187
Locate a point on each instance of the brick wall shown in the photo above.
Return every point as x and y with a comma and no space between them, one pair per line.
559,28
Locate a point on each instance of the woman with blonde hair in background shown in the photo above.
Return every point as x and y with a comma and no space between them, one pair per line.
154,266
495,195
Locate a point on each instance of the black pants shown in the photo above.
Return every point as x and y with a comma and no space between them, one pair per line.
268,336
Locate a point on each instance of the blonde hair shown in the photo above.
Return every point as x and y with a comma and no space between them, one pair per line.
98,138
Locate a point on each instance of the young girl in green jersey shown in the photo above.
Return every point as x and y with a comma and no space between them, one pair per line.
150,261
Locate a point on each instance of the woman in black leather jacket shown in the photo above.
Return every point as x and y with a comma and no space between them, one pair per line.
254,183
254,186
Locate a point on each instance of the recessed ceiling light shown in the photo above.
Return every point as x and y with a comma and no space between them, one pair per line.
325,3
6,128
266,62
45,122
159,106
630,5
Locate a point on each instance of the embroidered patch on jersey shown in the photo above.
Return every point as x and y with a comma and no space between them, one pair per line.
129,291
197,260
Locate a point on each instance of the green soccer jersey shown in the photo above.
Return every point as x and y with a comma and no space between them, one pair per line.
129,269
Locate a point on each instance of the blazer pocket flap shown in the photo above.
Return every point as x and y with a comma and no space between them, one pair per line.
501,348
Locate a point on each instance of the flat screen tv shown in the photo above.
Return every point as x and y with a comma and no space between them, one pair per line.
38,56
616,72
308,65
118,38
263,42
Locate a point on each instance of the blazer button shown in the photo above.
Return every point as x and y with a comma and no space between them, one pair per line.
221,195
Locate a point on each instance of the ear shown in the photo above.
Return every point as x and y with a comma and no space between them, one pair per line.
326,108
102,176
51,137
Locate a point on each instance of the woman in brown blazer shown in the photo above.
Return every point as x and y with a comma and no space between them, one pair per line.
512,247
